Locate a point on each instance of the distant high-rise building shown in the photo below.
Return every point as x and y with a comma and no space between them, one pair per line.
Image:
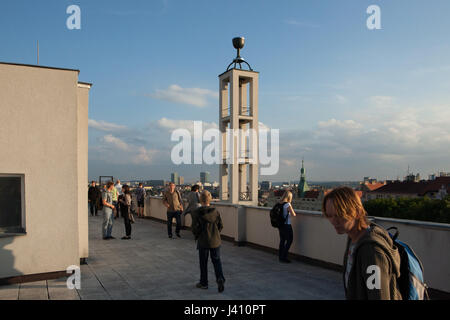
175,178
181,180
204,177
412,178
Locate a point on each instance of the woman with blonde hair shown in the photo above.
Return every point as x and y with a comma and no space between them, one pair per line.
286,232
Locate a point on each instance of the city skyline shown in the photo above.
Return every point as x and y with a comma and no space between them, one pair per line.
352,101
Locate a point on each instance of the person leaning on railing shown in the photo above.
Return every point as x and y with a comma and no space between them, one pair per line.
286,232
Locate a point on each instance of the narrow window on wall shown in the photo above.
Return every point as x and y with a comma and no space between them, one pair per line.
12,208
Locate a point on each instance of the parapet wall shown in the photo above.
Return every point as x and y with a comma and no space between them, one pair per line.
316,239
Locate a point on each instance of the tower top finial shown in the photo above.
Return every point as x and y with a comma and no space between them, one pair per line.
238,44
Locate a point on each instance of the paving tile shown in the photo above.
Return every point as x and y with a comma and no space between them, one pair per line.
9,292
33,291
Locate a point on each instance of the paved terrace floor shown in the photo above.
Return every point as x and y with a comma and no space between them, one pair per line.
152,266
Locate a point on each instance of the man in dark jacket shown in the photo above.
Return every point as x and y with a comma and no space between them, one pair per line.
206,227
371,259
94,196
193,199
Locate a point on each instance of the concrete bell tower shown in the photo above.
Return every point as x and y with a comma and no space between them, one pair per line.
238,122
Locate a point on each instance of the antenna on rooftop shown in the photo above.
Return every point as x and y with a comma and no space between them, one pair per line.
38,52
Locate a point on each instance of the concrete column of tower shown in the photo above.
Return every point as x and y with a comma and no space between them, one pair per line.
223,125
254,125
243,182
234,87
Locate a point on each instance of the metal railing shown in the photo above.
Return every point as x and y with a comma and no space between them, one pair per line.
243,111
245,196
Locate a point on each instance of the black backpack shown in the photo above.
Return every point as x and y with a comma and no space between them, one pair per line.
276,215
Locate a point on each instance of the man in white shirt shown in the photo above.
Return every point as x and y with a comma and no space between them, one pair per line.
118,187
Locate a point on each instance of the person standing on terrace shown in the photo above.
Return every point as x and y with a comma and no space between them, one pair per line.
286,232
94,195
118,188
369,247
193,199
140,198
108,211
115,199
173,202
206,227
125,204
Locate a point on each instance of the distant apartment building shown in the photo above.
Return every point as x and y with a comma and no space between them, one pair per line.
266,185
369,186
44,151
434,189
369,180
181,180
175,178
311,201
156,183
204,177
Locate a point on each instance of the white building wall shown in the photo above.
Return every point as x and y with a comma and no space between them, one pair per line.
39,138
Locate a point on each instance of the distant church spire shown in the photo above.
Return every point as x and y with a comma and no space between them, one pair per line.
303,185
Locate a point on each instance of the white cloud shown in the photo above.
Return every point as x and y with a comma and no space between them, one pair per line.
345,124
115,150
105,126
116,142
288,163
170,124
196,97
262,126
143,156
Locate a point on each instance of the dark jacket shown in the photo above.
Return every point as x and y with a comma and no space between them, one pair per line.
94,193
193,199
206,227
374,248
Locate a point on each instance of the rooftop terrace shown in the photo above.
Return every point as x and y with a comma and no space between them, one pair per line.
152,266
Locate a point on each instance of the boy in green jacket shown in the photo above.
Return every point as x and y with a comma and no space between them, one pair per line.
371,259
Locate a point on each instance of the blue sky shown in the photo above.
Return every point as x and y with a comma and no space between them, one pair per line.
351,101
